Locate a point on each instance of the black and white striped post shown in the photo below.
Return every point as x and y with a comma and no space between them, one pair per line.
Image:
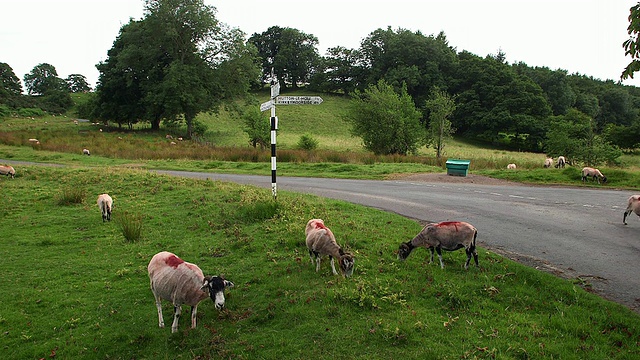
271,104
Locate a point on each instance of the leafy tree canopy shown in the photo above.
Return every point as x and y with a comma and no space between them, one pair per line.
77,83
10,87
43,78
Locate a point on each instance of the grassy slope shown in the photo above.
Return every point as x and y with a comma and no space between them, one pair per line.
74,288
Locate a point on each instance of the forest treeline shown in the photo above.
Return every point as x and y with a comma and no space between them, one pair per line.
171,65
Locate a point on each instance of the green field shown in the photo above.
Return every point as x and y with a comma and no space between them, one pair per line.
74,288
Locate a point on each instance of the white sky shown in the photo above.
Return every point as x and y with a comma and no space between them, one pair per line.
580,36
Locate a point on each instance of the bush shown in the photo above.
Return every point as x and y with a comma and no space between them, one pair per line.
5,111
131,225
30,112
70,196
307,142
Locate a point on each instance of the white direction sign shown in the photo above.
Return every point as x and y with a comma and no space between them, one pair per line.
275,90
298,100
266,105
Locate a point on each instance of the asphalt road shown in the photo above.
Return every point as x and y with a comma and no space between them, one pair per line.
571,232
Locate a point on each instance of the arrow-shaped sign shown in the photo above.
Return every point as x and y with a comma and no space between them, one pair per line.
266,105
298,100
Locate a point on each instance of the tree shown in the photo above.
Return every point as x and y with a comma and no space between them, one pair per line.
291,54
43,78
632,45
338,71
10,87
439,107
176,62
388,122
77,83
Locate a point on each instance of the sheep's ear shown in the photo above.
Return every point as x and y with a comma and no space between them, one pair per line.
228,283
205,285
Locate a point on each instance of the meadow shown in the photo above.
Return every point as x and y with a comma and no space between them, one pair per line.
76,288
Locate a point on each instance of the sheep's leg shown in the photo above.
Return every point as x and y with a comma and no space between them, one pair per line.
159,306
466,264
333,266
176,317
311,256
624,218
317,263
194,312
439,251
431,259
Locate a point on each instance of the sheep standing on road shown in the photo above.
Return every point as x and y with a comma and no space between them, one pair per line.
548,162
105,203
561,162
448,235
320,241
7,170
594,173
633,205
180,282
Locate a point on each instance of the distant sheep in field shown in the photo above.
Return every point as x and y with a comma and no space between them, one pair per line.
594,173
320,241
448,235
511,166
180,282
105,203
86,152
75,122
34,141
169,137
548,162
633,205
7,170
561,162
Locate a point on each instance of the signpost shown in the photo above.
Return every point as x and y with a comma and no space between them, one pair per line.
276,99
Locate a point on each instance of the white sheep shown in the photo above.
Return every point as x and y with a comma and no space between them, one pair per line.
448,235
594,173
34,141
7,170
633,205
548,162
105,203
180,282
561,162
320,241
86,152
511,166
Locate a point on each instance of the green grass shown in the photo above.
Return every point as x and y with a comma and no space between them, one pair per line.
74,288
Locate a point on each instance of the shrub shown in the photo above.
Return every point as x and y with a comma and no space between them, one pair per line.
30,112
70,196
131,225
307,142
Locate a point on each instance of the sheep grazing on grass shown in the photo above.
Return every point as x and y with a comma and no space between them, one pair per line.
633,205
561,162
34,141
105,203
7,170
594,173
320,241
548,162
86,152
448,235
180,282
511,166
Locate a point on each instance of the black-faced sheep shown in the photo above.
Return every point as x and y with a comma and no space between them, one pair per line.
7,170
180,282
511,166
86,152
561,162
105,203
633,205
548,162
594,173
320,241
448,235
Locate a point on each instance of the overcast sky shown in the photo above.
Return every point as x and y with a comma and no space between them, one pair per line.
580,36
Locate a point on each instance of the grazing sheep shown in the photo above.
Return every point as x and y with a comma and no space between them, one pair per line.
511,166
633,205
34,141
320,241
548,162
7,170
169,137
86,152
561,162
180,282
448,235
594,173
105,203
